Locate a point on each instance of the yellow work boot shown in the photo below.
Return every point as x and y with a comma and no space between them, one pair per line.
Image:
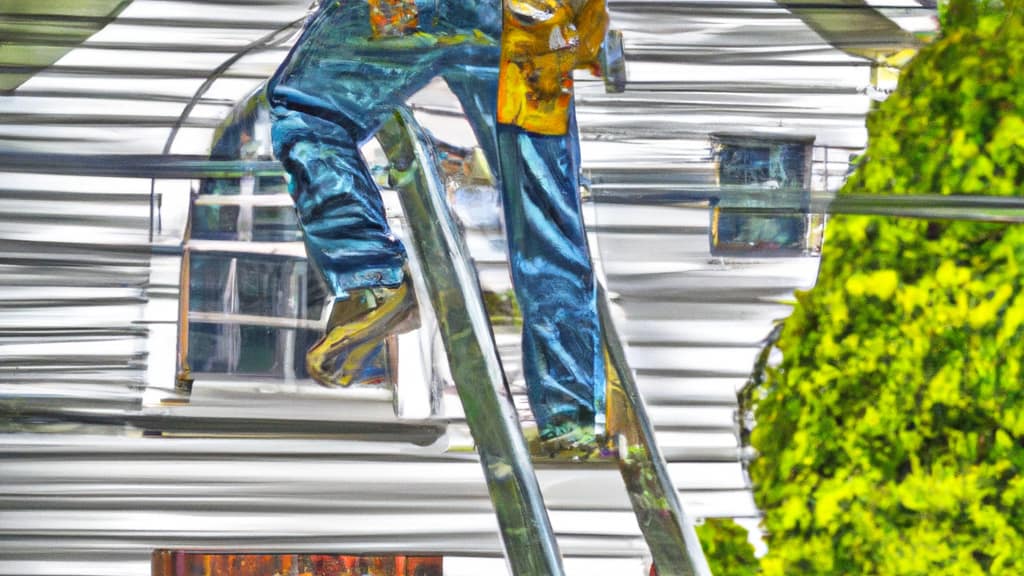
355,330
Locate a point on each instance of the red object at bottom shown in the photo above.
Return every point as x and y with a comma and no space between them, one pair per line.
182,563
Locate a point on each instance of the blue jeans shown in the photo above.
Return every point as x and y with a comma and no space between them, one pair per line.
334,91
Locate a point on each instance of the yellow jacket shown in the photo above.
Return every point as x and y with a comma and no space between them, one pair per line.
543,41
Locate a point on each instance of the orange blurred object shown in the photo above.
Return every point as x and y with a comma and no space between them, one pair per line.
182,563
389,18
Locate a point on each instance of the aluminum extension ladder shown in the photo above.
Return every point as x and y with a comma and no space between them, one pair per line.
455,296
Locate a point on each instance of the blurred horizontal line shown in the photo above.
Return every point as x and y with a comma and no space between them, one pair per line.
254,320
122,95
286,249
61,302
737,87
670,56
412,432
136,165
262,200
131,71
637,6
181,22
29,40
48,119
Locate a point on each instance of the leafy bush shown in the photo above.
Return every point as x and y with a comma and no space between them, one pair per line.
726,547
892,432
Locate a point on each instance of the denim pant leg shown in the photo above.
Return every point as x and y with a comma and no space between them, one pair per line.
476,87
339,205
553,277
328,97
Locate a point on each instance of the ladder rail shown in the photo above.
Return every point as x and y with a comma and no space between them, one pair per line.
454,292
669,533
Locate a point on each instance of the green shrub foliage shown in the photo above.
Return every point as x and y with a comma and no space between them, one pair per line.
892,432
727,548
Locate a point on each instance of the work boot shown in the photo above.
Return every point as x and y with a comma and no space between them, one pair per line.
355,330
572,442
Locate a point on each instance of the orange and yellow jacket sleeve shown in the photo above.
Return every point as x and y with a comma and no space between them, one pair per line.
542,42
592,25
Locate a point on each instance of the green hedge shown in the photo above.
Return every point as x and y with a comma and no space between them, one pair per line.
727,548
891,435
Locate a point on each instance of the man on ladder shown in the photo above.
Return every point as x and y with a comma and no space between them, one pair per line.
510,64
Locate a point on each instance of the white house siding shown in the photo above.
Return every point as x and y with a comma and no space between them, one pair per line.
89,285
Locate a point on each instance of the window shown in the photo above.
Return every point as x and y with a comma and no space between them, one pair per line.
764,196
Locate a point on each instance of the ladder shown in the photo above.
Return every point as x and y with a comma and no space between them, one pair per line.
454,294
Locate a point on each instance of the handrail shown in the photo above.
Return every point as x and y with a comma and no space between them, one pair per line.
454,292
